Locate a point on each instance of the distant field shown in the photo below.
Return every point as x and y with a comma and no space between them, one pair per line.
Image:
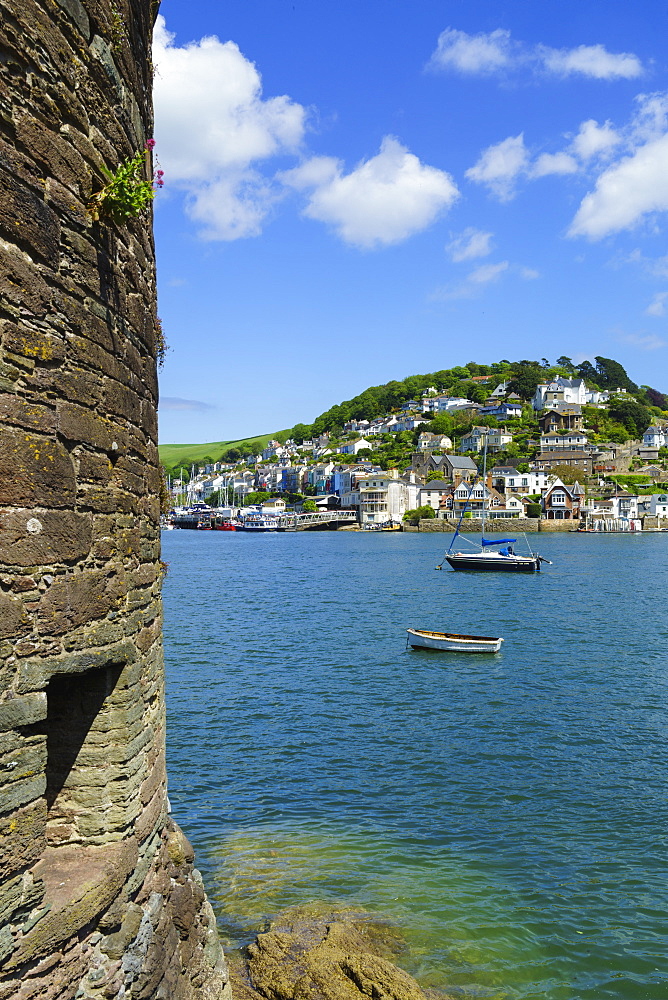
175,454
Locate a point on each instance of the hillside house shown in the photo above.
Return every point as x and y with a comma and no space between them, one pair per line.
561,417
497,440
561,502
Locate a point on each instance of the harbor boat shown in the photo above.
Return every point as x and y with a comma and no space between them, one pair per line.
451,642
489,558
258,522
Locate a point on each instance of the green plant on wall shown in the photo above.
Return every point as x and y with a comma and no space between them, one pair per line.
127,192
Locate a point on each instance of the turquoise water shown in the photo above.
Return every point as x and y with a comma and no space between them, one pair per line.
510,812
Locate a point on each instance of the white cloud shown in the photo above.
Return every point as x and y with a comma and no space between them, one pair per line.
382,201
625,193
657,306
192,405
234,206
651,118
594,139
496,52
213,126
529,273
487,272
471,243
553,163
646,342
591,60
482,53
500,165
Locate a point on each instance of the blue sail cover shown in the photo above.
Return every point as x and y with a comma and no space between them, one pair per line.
498,541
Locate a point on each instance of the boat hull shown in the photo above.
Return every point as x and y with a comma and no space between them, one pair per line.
493,562
450,642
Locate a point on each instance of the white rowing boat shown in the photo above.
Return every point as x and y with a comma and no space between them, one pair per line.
423,639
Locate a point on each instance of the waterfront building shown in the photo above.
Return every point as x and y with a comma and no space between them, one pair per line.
561,502
507,479
384,497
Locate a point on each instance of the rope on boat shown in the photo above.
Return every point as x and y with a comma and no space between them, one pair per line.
461,518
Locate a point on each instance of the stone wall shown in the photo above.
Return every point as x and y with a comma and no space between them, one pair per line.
511,524
98,894
473,525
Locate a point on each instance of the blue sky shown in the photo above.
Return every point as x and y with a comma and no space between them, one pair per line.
360,190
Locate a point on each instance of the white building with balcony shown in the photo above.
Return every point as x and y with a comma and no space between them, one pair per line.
385,498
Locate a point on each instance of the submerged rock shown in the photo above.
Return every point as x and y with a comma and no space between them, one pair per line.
311,954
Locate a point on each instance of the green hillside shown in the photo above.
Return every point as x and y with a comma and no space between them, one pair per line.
173,455
621,420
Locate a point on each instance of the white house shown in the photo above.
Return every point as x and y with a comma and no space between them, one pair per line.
447,404
506,480
566,440
352,447
384,497
506,408
465,499
658,505
497,440
569,390
655,437
434,442
433,493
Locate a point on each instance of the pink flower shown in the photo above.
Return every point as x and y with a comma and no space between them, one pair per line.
150,143
160,173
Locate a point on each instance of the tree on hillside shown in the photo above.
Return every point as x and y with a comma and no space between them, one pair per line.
611,375
567,363
527,375
655,397
633,415
587,371
567,473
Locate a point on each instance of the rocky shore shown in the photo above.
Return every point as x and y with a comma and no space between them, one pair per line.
311,953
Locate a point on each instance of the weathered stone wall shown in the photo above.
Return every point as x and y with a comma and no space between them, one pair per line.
98,895
474,525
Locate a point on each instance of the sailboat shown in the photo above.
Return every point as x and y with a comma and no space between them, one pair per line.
490,557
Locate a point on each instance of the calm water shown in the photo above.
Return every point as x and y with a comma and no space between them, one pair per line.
509,811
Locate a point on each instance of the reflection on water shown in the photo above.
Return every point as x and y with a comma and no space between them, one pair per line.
509,811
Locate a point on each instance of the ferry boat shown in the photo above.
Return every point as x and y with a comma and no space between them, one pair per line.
258,521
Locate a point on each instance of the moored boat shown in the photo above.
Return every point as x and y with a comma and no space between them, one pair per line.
258,522
452,642
505,559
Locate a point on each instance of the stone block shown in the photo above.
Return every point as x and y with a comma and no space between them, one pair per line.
78,598
77,14
36,672
80,883
22,838
41,537
22,711
13,619
34,470
27,221
21,793
77,423
20,412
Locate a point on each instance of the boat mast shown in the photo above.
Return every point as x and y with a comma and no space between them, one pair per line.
484,489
